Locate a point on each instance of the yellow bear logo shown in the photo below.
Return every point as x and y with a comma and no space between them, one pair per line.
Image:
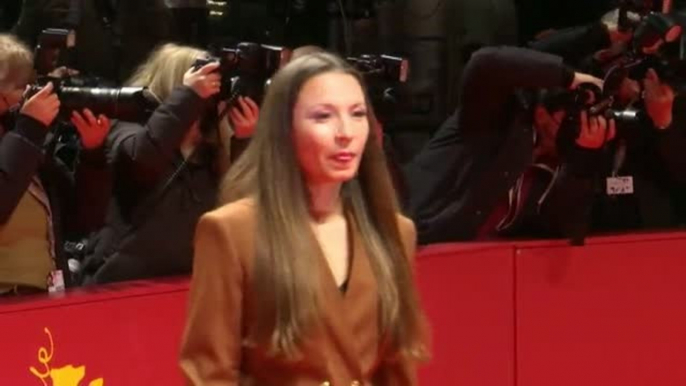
65,376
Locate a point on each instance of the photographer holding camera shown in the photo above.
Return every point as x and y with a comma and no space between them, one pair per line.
632,181
167,170
37,198
461,185
112,37
483,176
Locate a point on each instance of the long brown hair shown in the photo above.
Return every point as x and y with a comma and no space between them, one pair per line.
285,279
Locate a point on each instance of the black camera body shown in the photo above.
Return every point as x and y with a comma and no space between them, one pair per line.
657,43
246,68
78,92
52,48
381,68
384,75
597,102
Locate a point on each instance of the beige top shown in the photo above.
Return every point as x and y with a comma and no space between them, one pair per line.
25,247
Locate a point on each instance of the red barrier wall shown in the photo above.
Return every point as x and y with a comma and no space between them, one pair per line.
540,313
126,335
611,313
468,296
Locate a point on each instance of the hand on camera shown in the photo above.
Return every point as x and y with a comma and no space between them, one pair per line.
43,106
204,81
595,131
244,117
92,130
611,23
659,98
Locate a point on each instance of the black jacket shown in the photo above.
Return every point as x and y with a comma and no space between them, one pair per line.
156,201
21,154
480,151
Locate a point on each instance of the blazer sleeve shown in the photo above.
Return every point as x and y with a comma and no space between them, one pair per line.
211,345
401,371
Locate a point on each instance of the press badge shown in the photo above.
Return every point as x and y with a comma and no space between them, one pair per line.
56,281
618,186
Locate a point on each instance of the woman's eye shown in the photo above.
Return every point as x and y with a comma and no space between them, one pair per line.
321,117
360,113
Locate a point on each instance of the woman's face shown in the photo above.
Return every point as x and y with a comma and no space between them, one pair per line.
330,127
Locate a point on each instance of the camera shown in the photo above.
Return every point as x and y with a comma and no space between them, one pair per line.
79,92
381,68
246,68
51,49
383,75
657,43
597,102
134,104
650,24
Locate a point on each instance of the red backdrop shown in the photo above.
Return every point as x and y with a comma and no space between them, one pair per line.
540,313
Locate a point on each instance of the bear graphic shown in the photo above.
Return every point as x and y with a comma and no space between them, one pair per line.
64,376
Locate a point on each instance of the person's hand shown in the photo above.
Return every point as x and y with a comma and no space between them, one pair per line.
611,23
204,81
63,72
92,130
659,98
42,106
629,91
244,117
581,78
595,131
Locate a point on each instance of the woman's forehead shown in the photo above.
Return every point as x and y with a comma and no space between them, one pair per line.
332,87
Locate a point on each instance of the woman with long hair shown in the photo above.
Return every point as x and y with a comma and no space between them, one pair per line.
304,276
166,172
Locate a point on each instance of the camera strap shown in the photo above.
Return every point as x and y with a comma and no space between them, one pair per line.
619,158
148,206
98,257
617,185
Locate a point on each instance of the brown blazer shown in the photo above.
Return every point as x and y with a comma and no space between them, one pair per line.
344,350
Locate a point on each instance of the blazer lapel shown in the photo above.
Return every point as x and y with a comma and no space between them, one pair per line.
352,316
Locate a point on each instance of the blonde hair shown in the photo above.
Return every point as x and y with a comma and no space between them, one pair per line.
16,63
286,284
164,69
162,72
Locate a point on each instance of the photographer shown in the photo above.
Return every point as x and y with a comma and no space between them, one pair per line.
632,181
482,151
37,191
112,37
166,171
